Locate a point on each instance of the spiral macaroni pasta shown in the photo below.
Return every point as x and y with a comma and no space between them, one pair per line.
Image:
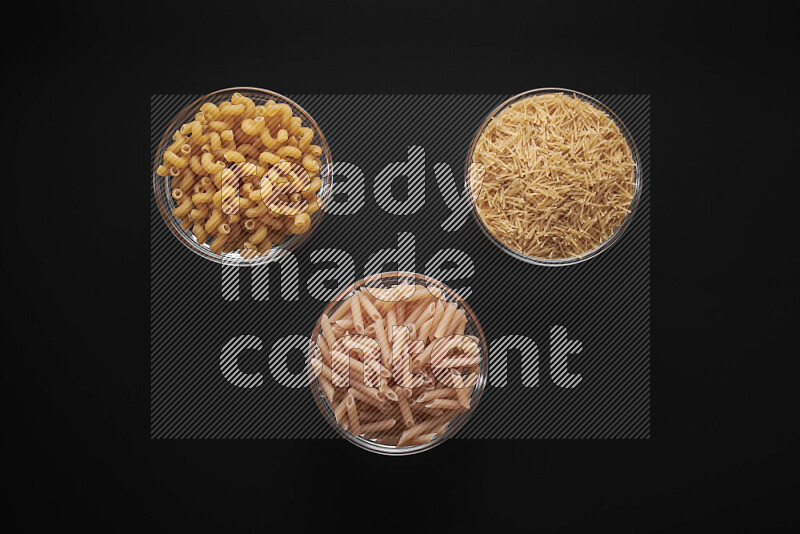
243,177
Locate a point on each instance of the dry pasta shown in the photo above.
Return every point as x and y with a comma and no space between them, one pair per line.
554,178
243,177
390,381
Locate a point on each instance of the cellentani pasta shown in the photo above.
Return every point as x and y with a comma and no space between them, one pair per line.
244,177
395,364
558,176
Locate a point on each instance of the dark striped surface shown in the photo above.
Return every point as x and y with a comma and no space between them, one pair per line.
200,318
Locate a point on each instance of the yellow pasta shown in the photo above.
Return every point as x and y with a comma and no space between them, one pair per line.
196,165
234,156
210,165
277,141
231,109
175,160
210,110
253,126
213,221
202,198
289,152
300,223
247,175
311,163
183,208
217,243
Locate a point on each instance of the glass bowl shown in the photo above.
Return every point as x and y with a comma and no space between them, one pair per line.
605,245
473,328
163,193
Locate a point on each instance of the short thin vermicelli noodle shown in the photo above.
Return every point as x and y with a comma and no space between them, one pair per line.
559,176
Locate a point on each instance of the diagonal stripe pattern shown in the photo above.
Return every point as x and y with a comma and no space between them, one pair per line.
226,342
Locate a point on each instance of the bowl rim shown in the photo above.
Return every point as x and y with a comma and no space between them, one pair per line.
227,258
638,184
392,450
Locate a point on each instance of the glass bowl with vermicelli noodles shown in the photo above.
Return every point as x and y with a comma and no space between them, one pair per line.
242,174
554,177
397,363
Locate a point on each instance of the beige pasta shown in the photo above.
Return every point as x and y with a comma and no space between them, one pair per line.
393,394
352,414
554,176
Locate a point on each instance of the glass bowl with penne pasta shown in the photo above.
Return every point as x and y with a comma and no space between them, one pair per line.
397,363
554,177
242,174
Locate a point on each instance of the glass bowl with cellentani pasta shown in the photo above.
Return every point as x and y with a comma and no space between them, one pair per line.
554,177
242,174
397,363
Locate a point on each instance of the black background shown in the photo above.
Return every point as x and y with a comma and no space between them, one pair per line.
75,260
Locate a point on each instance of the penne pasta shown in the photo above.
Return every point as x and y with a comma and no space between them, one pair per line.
442,328
378,426
420,428
340,411
386,351
346,324
327,331
373,312
367,399
425,329
445,404
461,392
327,387
436,394
324,349
425,314
358,320
410,372
352,414
422,439
402,402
